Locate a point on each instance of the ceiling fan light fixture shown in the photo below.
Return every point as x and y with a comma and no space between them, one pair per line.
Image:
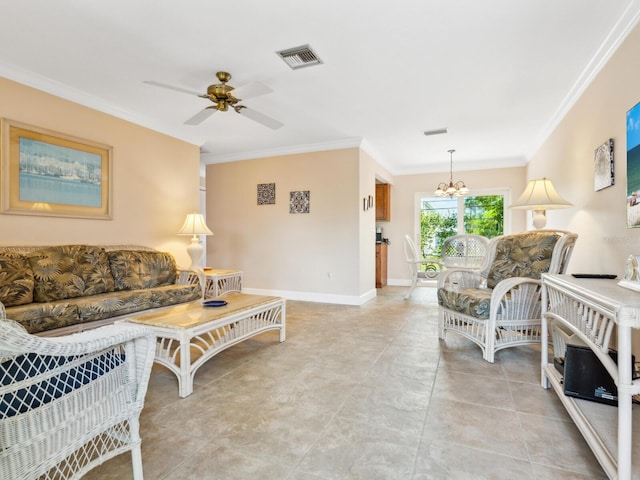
220,94
299,57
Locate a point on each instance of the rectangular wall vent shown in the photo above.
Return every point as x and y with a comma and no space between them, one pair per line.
299,57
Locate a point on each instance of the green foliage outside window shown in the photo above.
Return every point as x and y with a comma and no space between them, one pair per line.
435,228
483,215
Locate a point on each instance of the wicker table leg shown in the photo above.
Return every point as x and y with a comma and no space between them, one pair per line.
185,376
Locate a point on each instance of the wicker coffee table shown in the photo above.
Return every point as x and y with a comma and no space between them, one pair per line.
189,334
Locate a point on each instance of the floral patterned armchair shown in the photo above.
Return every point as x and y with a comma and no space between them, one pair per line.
499,306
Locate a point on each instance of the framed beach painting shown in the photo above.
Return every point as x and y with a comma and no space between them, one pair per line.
633,167
49,173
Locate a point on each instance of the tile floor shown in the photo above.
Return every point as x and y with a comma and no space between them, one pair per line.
365,393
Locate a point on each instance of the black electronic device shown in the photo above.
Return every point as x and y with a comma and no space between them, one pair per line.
585,377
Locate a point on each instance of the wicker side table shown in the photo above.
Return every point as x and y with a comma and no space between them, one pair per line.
222,281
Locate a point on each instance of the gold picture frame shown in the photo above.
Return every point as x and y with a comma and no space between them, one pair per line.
43,172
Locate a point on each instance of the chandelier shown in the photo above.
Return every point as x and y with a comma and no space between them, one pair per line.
451,189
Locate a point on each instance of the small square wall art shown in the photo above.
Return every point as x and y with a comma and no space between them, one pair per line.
266,194
299,201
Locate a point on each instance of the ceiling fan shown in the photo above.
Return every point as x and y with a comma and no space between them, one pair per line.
225,96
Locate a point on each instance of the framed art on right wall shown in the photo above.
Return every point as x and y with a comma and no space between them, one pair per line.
633,167
603,166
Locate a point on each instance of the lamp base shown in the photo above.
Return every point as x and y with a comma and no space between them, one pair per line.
195,250
539,219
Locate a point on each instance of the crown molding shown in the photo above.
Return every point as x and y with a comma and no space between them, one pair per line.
462,166
211,158
53,87
621,30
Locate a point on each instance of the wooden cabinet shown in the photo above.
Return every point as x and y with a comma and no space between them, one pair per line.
383,201
381,265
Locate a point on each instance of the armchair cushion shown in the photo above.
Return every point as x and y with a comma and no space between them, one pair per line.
469,301
70,271
16,280
523,255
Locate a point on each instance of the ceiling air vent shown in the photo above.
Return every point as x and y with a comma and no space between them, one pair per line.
437,131
299,57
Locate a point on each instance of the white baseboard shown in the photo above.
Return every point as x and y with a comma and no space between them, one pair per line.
402,282
315,297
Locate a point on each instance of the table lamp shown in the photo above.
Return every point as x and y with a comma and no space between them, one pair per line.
194,225
540,196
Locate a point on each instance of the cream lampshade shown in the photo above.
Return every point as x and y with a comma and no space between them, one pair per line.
194,225
540,196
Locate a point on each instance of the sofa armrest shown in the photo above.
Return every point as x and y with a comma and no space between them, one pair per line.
187,276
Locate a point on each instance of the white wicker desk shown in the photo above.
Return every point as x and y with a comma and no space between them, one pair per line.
589,308
219,282
189,334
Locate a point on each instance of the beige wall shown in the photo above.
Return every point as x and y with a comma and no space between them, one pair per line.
155,178
328,254
567,159
404,215
314,256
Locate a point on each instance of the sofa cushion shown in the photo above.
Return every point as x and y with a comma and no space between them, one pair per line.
16,280
474,302
107,305
123,302
38,317
523,255
135,269
70,271
173,294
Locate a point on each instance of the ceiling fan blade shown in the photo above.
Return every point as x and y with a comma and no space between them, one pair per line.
170,87
251,90
201,116
265,120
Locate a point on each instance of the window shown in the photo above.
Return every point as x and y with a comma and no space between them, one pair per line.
441,218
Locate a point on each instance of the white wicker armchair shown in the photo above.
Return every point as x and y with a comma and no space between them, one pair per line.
499,306
69,403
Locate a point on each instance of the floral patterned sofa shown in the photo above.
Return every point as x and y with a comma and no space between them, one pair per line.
62,289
